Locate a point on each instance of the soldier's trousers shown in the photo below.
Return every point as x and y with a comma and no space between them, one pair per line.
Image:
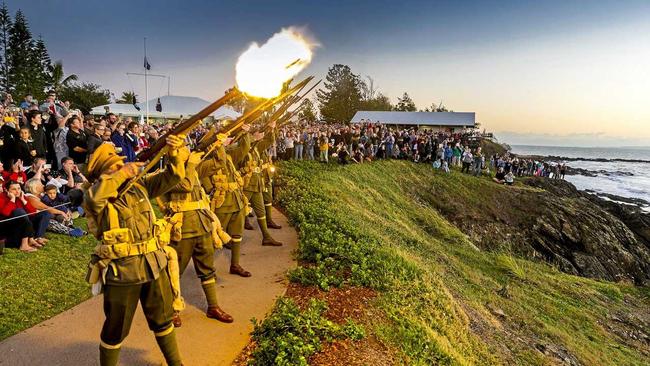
257,202
120,303
233,224
201,250
268,199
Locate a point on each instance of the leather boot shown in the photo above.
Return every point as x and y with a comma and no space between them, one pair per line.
272,225
176,320
247,225
238,270
271,242
215,312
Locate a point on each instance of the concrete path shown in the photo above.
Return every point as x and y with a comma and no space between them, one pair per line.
72,337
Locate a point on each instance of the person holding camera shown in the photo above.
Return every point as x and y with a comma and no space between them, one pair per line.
53,107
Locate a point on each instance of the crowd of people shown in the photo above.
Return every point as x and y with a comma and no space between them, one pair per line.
368,141
49,143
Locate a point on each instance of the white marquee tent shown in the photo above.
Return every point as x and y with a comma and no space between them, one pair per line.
173,107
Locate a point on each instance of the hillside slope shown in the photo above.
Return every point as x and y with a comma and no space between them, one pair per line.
441,299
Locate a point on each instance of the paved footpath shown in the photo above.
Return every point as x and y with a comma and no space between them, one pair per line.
72,337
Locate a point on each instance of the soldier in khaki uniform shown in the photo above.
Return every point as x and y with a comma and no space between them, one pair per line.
228,201
196,231
132,260
251,170
269,170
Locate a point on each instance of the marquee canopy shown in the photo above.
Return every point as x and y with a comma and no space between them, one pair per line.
173,106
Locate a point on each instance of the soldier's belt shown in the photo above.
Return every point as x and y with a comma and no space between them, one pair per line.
188,206
257,170
121,250
227,187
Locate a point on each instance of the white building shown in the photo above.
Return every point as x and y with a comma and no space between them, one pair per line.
439,121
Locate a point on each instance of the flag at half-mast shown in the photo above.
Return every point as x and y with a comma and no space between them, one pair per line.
146,63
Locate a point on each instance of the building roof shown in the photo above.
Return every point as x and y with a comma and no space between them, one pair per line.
456,119
173,106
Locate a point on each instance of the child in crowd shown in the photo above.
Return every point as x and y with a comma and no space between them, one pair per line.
53,198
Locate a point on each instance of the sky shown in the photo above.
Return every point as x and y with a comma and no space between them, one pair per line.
555,72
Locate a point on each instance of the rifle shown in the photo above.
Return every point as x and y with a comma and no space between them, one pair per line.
287,116
208,145
159,149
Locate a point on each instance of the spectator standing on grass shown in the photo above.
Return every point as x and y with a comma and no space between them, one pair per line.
60,142
467,159
478,161
288,144
76,140
323,148
310,143
122,146
24,148
298,146
457,156
95,138
37,132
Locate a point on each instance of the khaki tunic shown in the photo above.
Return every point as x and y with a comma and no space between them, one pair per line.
135,213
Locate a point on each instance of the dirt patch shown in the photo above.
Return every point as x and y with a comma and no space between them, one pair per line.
346,303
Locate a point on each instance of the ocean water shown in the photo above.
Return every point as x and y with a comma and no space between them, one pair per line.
621,178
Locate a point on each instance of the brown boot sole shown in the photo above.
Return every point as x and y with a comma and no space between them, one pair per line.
271,243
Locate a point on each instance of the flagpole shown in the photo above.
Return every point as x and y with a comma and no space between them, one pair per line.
146,86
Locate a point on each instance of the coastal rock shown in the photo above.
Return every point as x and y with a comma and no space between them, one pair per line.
575,231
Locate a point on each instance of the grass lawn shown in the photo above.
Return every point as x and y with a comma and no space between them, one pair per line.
37,286
443,301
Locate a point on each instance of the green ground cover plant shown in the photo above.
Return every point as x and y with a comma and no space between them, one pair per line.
444,301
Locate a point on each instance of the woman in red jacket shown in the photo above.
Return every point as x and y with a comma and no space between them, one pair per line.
22,231
15,172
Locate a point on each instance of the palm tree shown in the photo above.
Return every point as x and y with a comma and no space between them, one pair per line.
58,78
128,97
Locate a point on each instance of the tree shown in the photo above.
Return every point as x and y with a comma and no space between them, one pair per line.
84,96
20,58
379,103
58,78
405,104
41,68
368,89
341,97
128,97
242,102
437,108
5,26
307,111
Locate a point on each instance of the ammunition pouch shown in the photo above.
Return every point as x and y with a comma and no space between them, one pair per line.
126,249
